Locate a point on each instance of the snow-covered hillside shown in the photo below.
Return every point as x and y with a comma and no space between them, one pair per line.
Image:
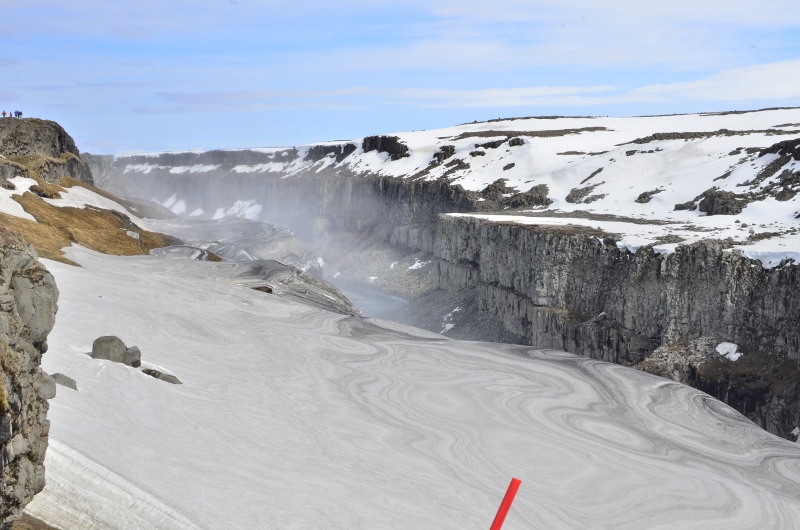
292,417
659,180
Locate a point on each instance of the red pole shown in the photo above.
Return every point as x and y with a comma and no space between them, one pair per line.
506,504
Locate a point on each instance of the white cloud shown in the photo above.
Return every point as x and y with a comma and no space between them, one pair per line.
776,81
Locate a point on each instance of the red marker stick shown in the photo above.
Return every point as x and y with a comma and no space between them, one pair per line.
506,504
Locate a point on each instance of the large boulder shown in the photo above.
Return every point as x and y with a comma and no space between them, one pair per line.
112,348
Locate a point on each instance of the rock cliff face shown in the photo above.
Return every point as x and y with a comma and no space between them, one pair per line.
28,298
571,289
43,148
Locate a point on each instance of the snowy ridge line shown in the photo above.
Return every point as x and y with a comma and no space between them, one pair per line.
718,176
83,495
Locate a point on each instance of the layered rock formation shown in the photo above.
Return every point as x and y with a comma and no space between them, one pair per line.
28,298
40,148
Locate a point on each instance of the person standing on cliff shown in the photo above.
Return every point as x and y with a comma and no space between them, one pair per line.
4,114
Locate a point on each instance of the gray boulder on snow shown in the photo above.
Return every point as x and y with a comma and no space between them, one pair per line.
65,380
168,378
113,349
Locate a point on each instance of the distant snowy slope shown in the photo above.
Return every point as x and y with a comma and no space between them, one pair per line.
718,175
292,417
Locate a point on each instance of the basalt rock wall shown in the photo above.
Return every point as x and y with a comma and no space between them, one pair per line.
28,296
572,289
578,291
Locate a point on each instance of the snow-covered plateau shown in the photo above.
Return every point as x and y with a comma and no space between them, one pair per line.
660,180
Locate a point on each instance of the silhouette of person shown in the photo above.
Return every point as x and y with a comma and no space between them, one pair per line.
4,114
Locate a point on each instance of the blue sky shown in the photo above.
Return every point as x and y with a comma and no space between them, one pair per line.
153,75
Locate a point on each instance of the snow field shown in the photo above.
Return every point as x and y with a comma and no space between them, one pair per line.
292,417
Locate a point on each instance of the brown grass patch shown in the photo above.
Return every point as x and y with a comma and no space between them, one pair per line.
47,241
36,163
104,231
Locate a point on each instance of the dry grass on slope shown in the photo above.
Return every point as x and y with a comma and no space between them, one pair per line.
101,230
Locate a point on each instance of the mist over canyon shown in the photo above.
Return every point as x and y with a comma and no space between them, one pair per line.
644,241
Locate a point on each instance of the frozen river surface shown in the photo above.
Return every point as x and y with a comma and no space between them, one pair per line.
291,417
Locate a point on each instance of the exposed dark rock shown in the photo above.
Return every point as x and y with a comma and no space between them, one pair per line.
534,197
789,148
496,190
513,142
32,136
699,135
167,378
444,152
594,174
28,297
340,152
492,145
718,202
508,166
477,153
583,195
688,205
386,144
530,134
454,165
645,196
43,148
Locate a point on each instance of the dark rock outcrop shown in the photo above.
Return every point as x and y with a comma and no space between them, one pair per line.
718,202
646,196
444,152
386,144
340,152
33,136
44,148
28,298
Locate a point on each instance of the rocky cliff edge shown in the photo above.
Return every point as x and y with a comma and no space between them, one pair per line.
28,296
